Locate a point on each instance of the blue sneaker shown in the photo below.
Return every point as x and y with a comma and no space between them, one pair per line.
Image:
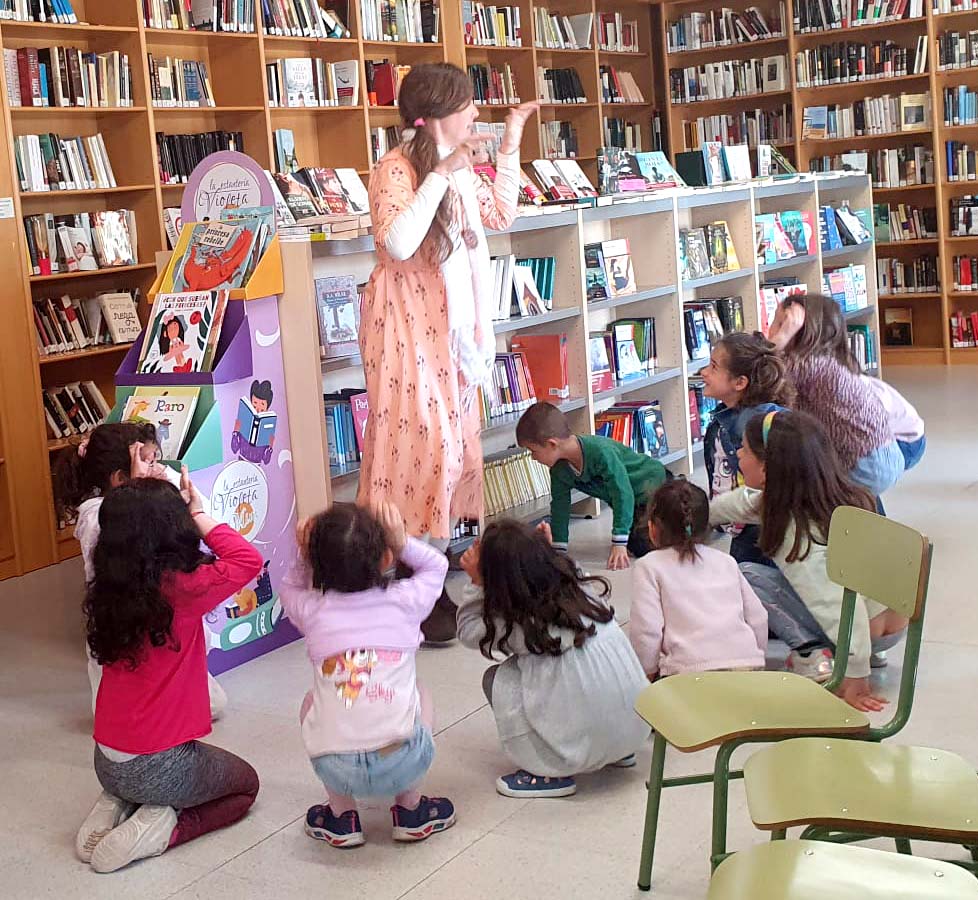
525,784
433,814
337,831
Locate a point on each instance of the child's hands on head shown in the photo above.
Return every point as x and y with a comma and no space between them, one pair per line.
470,563
191,496
139,466
788,321
392,522
545,529
618,558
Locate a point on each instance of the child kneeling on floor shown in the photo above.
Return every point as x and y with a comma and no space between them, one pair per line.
365,724
564,698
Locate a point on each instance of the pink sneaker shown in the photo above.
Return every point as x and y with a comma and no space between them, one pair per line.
817,665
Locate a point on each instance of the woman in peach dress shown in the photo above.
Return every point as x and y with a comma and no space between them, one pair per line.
426,332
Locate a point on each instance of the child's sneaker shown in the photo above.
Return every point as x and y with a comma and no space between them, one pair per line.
626,762
146,833
817,665
433,814
525,784
107,813
338,831
878,660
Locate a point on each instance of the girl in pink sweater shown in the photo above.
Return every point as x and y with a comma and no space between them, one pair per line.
692,610
364,725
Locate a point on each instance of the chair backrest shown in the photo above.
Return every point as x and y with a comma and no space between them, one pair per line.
880,559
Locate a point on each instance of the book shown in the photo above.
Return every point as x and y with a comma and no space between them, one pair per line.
121,318
657,170
338,308
214,255
575,177
111,238
554,184
298,198
169,409
180,331
546,355
256,426
736,158
173,222
716,172
601,376
618,267
597,281
723,254
696,254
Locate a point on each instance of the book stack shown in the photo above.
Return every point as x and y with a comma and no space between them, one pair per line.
862,345
847,286
960,105
511,389
179,154
61,12
178,82
511,479
961,161
302,18
872,115
617,132
897,276
563,179
312,82
560,86
406,21
81,242
559,32
844,227
383,140
625,350
619,86
898,326
957,50
69,324
212,15
384,81
346,421
637,424
522,286
850,61
964,329
731,78
559,139
889,167
784,235
73,409
903,222
707,251
616,34
67,76
491,26
493,84
751,127
722,28
48,162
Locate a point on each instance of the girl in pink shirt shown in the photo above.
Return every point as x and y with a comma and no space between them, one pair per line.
365,727
151,587
692,610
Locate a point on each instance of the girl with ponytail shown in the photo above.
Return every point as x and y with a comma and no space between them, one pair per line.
747,375
692,610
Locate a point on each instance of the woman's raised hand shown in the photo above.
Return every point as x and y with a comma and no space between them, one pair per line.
515,122
461,157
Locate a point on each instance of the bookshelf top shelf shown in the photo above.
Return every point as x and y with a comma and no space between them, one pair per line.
88,192
284,40
695,51
58,30
831,34
161,35
95,273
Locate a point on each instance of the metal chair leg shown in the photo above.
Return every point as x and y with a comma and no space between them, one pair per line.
903,846
652,812
721,785
779,834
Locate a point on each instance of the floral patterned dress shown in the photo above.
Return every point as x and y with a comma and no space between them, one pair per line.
422,448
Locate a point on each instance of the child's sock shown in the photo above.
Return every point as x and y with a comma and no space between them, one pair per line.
340,803
408,799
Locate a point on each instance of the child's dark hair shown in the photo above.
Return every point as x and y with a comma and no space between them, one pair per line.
145,530
77,477
165,338
346,546
542,422
755,358
824,332
262,390
804,482
527,583
681,513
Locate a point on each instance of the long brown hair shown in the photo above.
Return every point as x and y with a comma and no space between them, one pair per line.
432,91
681,513
804,482
755,358
824,332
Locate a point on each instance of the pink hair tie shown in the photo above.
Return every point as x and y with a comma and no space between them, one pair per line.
83,448
418,122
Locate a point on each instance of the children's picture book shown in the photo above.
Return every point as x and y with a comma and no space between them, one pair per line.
338,306
796,231
657,170
120,316
736,158
716,172
721,247
180,328
618,267
213,255
575,177
169,409
596,280
360,406
601,377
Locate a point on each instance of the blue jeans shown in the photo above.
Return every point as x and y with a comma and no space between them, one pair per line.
912,451
879,469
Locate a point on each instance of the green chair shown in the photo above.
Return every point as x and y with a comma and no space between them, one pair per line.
868,554
808,870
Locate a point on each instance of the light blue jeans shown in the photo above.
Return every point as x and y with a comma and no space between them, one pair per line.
880,469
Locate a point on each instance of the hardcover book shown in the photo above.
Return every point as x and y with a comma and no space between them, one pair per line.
169,409
179,331
338,306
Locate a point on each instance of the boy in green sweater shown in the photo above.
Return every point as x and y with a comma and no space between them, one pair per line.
599,467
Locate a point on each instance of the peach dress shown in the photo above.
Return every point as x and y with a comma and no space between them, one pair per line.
422,448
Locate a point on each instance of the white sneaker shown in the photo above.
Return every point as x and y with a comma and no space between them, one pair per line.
106,814
878,660
817,665
146,833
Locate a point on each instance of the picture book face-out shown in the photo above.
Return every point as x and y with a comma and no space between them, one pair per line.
177,335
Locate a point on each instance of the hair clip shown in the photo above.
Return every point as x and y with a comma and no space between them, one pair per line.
689,531
766,425
419,122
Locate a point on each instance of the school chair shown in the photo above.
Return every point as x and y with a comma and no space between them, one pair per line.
809,870
867,554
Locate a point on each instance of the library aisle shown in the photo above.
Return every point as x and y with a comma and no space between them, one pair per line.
500,848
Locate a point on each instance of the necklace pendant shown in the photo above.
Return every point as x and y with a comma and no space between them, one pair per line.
469,238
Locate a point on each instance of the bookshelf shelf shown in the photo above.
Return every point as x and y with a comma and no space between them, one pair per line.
694,284
623,54
534,511
95,273
694,365
283,41
637,297
860,313
805,260
314,110
53,358
636,384
673,457
955,14
721,102
840,252
904,188
916,242
210,110
720,48
862,84
854,29
547,318
920,296
194,35
560,51
88,192
59,31
397,46
55,111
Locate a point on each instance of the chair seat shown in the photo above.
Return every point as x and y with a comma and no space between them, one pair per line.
695,711
810,870
855,786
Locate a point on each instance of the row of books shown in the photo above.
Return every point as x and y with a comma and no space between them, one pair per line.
841,226
560,85
819,15
382,140
619,86
957,49
960,105
558,138
176,82
562,179
200,15
844,62
749,126
493,84
961,161
617,34
898,326
303,18
847,286
491,26
67,76
510,390
559,32
407,21
618,132
783,235
179,154
965,273
963,218
898,276
80,242
625,350
384,81
49,162
714,163
70,324
722,27
61,11
730,78
886,114
701,409
637,424
314,192
522,286
905,222
73,409
511,479
943,7
862,345
346,414
889,167
608,269
313,82
964,329
706,321
706,251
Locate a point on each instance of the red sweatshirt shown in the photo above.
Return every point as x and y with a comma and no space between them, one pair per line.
163,702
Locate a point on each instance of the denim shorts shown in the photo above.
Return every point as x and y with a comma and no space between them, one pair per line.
376,774
879,469
912,451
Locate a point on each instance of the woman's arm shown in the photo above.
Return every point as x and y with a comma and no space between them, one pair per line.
402,214
497,205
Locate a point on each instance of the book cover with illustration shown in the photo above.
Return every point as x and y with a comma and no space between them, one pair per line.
119,312
179,331
657,170
618,267
597,282
360,406
338,305
169,409
213,255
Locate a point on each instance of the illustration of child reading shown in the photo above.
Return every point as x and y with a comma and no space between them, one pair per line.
254,429
172,345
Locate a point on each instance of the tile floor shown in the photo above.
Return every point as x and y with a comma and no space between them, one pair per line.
588,844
